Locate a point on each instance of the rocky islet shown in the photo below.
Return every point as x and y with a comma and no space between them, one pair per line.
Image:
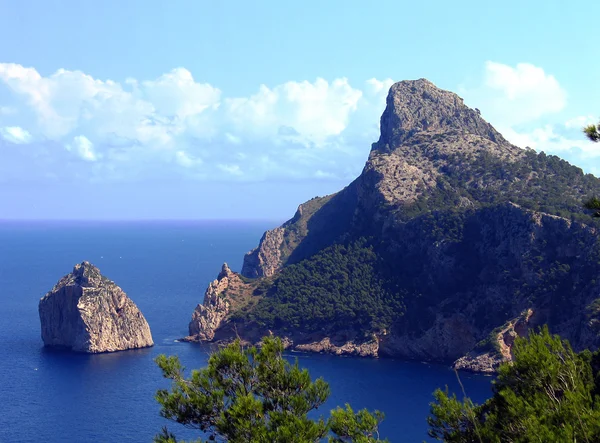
86,312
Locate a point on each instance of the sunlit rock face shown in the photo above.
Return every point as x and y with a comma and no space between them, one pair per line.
86,312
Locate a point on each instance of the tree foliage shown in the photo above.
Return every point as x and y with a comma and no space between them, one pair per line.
592,132
367,277
340,288
540,182
246,394
593,204
546,394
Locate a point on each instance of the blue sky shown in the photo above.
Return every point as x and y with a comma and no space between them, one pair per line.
194,109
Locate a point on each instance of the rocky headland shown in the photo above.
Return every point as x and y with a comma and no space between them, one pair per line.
450,243
86,312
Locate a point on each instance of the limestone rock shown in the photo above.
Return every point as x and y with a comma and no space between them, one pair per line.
326,345
207,316
418,105
86,312
228,293
265,260
501,342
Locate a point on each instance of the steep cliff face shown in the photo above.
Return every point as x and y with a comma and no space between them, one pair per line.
497,348
265,260
505,260
217,304
86,312
318,222
449,233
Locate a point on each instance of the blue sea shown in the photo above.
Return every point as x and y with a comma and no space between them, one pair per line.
56,396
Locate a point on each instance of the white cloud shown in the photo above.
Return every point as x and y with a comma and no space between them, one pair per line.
150,127
580,122
382,87
83,148
15,134
177,94
548,139
323,174
516,95
177,125
186,160
233,139
231,169
514,100
312,111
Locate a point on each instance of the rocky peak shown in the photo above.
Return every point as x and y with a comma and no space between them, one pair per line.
225,272
208,315
87,312
86,275
415,106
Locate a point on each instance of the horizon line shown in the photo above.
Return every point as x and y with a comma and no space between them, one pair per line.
121,220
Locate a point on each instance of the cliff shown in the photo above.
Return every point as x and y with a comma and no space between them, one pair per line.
215,307
86,312
435,252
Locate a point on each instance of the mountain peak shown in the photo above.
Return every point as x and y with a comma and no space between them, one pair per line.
414,106
86,274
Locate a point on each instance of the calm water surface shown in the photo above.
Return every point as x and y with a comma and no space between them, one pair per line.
164,267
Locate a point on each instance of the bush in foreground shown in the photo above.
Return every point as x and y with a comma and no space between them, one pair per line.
547,394
250,394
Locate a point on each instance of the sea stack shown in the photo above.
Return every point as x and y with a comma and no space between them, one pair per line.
86,312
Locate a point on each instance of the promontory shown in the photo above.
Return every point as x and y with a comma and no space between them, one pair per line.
87,312
450,243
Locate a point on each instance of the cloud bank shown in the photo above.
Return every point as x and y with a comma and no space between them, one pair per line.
70,123
529,107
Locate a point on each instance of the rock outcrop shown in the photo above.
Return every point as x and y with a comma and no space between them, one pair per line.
86,312
208,316
418,106
497,348
365,348
465,231
265,260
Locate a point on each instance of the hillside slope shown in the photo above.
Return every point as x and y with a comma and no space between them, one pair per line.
450,242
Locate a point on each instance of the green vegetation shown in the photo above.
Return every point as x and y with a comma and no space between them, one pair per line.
338,288
460,251
592,132
334,280
540,182
593,204
367,286
547,394
251,395
490,343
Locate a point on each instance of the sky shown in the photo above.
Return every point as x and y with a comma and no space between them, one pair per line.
125,110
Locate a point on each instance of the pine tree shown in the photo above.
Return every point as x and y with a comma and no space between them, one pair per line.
246,394
545,394
592,132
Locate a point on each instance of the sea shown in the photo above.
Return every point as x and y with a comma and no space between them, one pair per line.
164,267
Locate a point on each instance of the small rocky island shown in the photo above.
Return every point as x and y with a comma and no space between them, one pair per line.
87,312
